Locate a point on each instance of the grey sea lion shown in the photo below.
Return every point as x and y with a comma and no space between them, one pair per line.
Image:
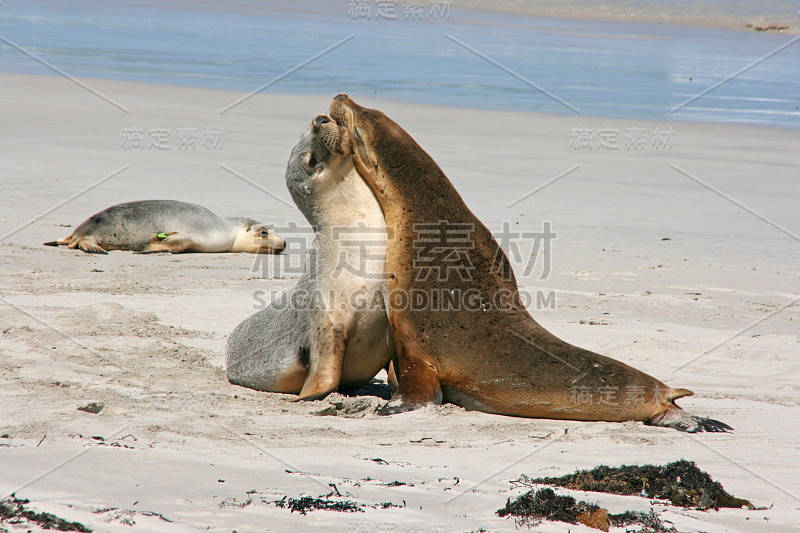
150,226
331,330
489,355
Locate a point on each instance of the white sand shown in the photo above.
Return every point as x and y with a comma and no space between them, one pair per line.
728,14
731,14
144,334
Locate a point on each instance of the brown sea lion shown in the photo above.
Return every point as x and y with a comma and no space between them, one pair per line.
482,350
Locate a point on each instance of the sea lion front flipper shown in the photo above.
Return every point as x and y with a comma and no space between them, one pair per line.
391,377
173,241
90,246
325,363
417,383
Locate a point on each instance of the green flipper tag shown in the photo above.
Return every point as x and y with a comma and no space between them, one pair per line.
161,235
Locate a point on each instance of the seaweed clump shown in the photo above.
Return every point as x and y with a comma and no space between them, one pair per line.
681,483
545,504
305,504
534,507
13,511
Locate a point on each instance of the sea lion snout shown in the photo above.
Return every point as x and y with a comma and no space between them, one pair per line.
319,120
334,137
276,245
271,243
339,105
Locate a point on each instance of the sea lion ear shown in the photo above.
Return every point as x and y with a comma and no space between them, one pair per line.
363,154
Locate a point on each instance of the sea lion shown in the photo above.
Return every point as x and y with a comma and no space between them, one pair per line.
150,226
489,354
331,330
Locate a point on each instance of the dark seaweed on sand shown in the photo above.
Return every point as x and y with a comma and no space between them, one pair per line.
534,507
649,520
13,510
681,483
545,504
307,503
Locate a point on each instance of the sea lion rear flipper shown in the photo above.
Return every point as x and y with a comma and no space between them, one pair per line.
60,242
679,419
325,363
417,383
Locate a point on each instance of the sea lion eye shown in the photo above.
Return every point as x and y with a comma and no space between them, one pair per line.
264,233
312,161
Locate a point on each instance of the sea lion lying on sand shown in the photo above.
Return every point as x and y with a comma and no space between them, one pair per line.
150,226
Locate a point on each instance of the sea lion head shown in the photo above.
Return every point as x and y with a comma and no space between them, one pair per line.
319,160
363,126
265,240
256,238
383,153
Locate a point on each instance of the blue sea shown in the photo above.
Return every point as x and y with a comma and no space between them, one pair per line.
425,51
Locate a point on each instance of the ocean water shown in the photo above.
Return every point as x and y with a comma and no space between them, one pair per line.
426,51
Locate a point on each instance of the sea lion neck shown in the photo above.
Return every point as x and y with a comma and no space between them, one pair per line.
408,180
